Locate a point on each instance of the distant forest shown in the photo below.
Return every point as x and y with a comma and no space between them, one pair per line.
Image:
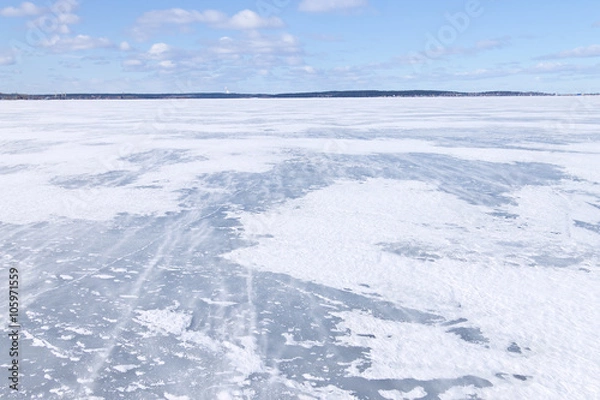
335,94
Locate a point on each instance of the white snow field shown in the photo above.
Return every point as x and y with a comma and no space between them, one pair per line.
390,248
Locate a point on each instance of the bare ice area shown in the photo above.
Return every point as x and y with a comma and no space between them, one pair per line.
389,248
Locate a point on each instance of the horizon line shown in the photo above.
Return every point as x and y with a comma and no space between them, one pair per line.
350,93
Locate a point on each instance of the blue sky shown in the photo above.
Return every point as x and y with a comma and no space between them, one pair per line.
273,46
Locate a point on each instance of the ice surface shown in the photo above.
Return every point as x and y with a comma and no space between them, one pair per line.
390,248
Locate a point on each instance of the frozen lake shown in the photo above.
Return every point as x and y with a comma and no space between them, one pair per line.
390,248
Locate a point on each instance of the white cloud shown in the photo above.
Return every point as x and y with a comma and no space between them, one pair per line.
61,44
248,19
26,9
124,46
256,44
551,67
158,50
479,47
237,56
480,73
159,57
178,16
132,63
322,6
57,19
153,21
491,44
167,64
578,52
53,29
7,59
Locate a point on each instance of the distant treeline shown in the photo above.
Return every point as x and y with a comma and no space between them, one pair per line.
345,93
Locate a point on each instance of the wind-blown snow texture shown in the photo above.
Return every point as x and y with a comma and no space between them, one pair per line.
436,248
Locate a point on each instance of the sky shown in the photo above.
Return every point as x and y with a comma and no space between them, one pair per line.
277,46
